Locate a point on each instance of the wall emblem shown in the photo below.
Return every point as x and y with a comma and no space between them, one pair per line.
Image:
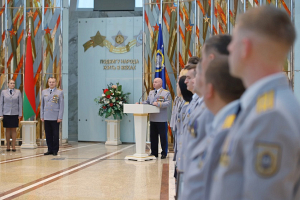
119,39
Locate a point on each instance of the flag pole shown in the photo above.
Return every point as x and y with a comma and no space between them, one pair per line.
161,12
178,46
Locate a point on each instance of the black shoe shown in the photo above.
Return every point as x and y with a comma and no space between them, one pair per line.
7,149
48,153
14,150
163,156
55,154
153,155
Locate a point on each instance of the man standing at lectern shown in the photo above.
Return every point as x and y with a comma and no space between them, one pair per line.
161,98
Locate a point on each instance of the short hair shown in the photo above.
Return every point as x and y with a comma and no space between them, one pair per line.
270,22
11,80
228,87
194,60
186,94
183,72
51,78
191,67
218,43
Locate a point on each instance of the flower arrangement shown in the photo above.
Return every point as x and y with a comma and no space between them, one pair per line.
112,100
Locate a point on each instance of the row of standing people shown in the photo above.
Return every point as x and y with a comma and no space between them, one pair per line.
52,107
238,135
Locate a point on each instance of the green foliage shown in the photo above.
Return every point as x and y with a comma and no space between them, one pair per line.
111,102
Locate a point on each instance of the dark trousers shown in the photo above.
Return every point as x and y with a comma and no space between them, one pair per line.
158,128
52,135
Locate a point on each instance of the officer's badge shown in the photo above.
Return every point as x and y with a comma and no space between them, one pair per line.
161,99
225,154
202,158
265,102
192,129
224,159
267,159
189,112
55,99
183,116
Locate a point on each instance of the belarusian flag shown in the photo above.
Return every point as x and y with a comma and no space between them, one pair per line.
29,96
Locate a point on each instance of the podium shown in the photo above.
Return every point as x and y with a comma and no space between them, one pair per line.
140,113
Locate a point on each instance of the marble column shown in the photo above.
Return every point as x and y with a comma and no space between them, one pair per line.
297,51
65,69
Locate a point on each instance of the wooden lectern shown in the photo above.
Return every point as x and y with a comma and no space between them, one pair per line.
140,113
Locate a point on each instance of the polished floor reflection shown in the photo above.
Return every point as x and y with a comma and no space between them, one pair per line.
83,171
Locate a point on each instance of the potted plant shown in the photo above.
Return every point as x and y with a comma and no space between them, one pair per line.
111,108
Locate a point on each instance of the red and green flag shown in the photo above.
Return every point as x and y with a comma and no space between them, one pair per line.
29,109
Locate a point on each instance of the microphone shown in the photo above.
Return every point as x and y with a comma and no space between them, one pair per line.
142,96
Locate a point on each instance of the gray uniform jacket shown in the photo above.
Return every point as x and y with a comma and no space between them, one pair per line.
260,157
184,130
196,170
190,134
11,104
163,97
176,104
52,105
177,125
180,118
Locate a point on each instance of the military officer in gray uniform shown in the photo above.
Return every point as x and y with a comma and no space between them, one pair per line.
160,98
11,110
52,109
260,155
213,47
220,89
178,103
190,79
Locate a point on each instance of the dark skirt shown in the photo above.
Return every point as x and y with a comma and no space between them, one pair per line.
10,121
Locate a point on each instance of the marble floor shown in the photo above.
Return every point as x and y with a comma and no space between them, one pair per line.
84,171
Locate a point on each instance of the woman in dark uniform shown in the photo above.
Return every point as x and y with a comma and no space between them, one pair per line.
11,111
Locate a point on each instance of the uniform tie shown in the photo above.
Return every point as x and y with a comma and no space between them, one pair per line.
155,92
10,92
50,91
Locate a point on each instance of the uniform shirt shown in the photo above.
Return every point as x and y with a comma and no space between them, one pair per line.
11,104
163,97
260,157
196,170
52,105
184,130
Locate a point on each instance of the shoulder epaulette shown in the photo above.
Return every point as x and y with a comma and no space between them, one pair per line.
265,102
186,103
59,89
228,122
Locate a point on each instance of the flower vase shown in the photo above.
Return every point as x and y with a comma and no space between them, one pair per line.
113,132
